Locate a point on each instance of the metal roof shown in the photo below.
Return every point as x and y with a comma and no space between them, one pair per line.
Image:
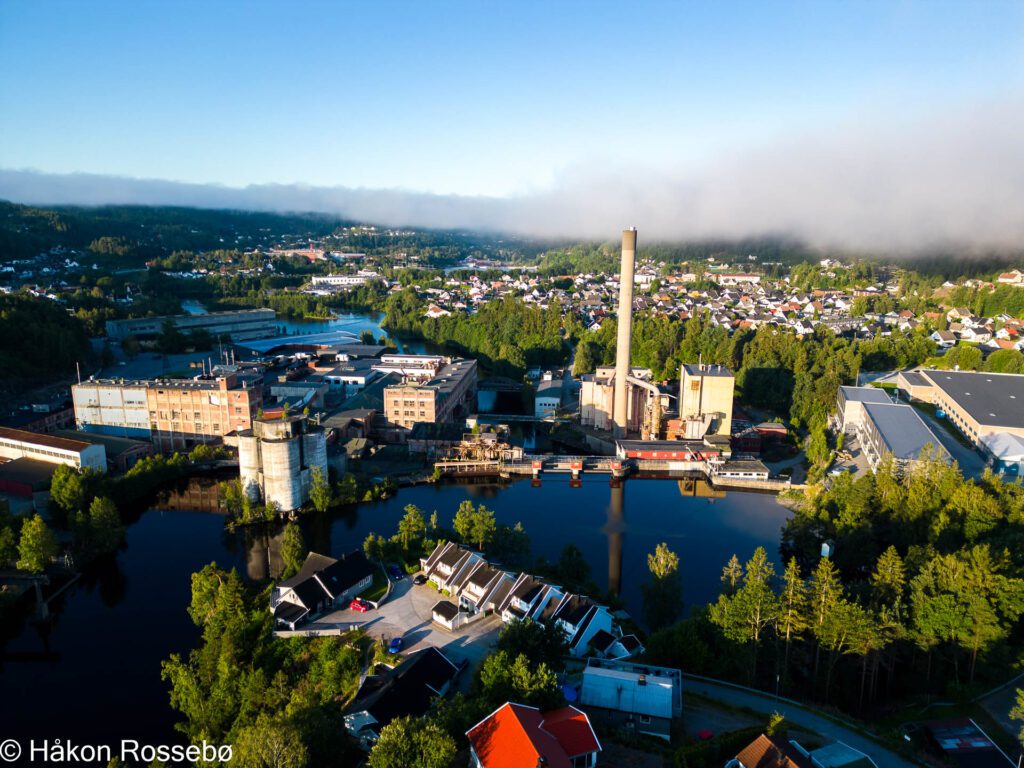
902,430
994,399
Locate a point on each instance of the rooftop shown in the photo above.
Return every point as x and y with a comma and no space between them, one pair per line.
902,430
708,370
995,399
865,395
516,735
49,441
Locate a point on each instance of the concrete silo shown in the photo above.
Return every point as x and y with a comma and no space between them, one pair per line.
277,456
249,465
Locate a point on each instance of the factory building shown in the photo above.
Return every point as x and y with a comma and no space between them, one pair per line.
176,414
850,406
276,459
112,407
705,400
884,427
18,444
340,282
643,407
980,404
239,324
439,392
548,399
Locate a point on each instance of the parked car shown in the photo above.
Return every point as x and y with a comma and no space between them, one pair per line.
396,572
395,646
419,579
359,605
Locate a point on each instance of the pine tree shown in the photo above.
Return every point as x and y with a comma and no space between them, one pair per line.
793,610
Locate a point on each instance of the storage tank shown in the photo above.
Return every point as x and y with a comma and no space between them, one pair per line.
315,449
281,467
249,465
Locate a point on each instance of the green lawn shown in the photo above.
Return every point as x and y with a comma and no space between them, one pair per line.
376,590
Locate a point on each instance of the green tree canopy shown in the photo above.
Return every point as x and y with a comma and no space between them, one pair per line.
37,547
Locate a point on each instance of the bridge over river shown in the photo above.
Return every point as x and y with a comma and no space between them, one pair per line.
575,466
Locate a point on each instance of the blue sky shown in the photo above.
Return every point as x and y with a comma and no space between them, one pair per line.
473,98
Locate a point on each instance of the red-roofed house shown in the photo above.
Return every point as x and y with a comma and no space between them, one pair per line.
518,736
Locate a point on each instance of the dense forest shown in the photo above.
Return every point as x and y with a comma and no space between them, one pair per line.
505,336
40,341
128,235
922,594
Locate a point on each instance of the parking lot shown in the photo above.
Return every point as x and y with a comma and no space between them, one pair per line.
857,463
407,614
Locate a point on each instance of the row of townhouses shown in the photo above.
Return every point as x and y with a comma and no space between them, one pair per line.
474,588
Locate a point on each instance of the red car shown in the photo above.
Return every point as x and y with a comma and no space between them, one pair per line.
359,605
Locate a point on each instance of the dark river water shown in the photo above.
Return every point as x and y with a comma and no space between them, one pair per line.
93,672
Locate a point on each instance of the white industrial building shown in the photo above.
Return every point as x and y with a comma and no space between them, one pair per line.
850,405
548,399
344,281
1006,452
276,459
19,444
112,407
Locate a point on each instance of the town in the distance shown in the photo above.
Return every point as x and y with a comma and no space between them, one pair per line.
339,494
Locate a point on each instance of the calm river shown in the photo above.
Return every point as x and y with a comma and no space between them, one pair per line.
93,672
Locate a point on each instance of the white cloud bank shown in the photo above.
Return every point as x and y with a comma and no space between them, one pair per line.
954,180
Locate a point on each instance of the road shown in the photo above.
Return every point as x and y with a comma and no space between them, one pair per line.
795,715
794,462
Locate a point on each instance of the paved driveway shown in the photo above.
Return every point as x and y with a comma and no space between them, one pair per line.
970,461
407,614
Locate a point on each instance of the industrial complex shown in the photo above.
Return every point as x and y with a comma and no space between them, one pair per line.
238,325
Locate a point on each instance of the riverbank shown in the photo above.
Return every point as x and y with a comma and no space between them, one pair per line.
127,613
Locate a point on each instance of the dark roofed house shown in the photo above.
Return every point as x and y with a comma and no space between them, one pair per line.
447,614
581,618
406,690
321,584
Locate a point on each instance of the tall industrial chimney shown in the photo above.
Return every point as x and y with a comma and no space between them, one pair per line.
620,417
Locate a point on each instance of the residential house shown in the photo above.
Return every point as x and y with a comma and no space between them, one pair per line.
518,736
580,618
322,584
527,599
608,645
407,690
773,752
448,565
640,697
769,752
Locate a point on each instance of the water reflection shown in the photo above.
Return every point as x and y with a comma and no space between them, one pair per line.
197,494
615,530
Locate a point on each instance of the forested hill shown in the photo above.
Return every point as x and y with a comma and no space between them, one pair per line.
131,235
134,234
